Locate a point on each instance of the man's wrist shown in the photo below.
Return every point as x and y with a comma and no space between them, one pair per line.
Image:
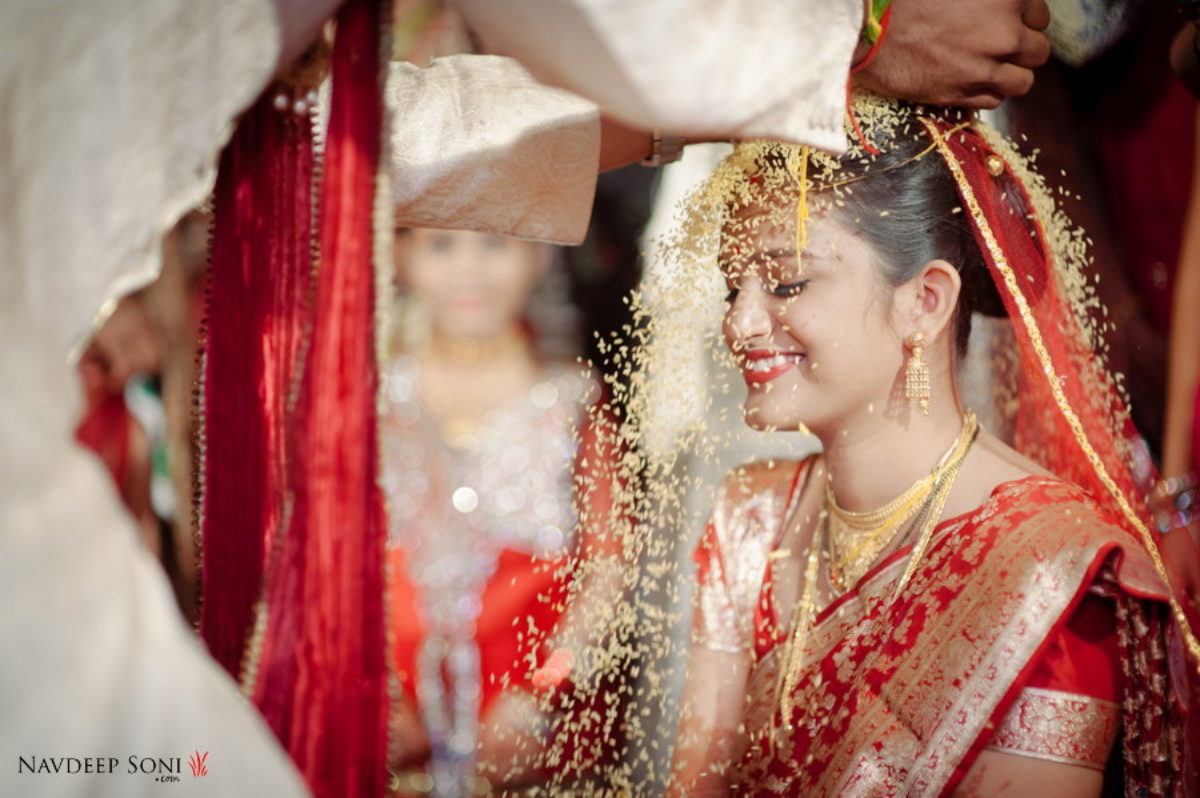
874,20
861,51
876,17
664,150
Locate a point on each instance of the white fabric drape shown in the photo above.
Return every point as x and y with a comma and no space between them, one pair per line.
511,156
113,113
740,68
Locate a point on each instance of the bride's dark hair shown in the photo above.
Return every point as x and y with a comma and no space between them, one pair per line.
907,208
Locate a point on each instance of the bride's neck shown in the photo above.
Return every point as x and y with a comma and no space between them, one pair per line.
873,459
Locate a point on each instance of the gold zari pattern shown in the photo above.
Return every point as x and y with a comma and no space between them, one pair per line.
1060,727
978,574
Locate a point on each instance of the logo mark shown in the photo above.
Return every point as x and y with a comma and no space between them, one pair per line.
196,763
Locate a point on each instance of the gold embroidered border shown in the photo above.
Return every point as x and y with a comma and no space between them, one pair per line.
1059,726
1009,603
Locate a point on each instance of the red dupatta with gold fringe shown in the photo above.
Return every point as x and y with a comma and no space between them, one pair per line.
258,312
293,518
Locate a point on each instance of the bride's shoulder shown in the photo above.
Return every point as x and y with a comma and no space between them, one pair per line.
1005,484
751,503
1002,463
994,469
760,487
1000,483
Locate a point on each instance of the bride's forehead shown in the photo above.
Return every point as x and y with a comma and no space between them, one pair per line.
754,228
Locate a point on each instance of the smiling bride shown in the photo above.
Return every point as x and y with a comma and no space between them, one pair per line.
920,609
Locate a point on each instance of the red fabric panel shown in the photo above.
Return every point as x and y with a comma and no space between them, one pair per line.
258,309
521,606
404,619
105,429
523,594
1084,655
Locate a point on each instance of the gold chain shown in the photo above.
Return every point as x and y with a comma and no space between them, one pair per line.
937,503
851,550
857,539
873,518
789,674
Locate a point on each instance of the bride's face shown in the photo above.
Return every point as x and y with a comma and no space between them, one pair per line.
817,346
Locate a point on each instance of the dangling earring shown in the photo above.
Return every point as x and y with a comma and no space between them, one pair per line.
916,373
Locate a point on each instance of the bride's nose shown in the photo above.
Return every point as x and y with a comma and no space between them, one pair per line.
748,316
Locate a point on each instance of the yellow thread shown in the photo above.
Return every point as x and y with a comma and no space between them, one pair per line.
801,170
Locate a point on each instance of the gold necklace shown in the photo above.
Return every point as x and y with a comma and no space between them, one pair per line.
938,503
857,539
464,350
853,548
457,427
802,615
926,517
873,518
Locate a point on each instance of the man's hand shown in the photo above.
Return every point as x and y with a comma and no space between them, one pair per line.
955,52
408,743
512,740
125,345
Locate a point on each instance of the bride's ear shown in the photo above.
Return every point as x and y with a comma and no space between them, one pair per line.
926,303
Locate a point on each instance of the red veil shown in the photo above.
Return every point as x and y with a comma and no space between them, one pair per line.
1071,417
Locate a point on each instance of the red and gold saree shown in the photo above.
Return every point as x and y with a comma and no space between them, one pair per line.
1039,623
1034,625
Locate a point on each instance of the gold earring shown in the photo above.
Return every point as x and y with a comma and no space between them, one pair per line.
916,373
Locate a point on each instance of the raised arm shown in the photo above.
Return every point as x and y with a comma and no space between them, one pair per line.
718,671
709,719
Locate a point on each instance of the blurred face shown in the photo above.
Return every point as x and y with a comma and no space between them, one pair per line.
815,348
475,284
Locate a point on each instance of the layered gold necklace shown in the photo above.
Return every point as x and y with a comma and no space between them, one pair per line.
856,540
864,537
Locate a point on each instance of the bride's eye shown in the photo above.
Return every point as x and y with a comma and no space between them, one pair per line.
732,295
789,289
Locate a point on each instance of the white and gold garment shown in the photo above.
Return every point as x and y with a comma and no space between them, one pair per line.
478,532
